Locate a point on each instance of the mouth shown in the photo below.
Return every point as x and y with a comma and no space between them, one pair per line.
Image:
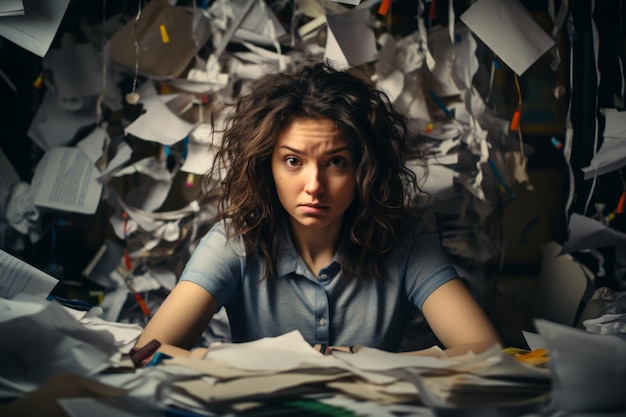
313,208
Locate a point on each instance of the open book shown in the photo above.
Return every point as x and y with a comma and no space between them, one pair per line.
17,276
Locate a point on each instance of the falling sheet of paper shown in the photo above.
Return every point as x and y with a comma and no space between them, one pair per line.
612,153
587,233
561,286
159,123
11,8
55,126
36,28
65,179
76,70
17,276
509,30
350,40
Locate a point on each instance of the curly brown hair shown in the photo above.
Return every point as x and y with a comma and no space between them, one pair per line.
377,134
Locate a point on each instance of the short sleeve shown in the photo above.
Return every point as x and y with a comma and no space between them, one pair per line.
216,265
427,264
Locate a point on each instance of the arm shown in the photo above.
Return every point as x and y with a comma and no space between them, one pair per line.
180,320
457,319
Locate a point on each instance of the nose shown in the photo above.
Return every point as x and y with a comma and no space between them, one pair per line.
314,182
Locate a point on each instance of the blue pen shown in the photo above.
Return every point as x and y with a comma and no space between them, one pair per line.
440,104
73,303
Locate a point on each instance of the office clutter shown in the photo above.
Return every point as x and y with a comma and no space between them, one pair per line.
131,108
127,117
90,364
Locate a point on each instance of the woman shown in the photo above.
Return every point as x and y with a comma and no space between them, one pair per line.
314,232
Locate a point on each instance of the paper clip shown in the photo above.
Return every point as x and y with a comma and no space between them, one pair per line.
141,356
165,38
384,7
621,203
517,115
514,126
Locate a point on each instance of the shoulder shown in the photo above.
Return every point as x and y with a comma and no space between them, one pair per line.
217,238
418,247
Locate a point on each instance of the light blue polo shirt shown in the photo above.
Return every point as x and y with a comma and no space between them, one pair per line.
326,308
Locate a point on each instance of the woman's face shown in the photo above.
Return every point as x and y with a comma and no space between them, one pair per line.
313,170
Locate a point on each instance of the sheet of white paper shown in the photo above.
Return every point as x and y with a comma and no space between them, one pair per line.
69,346
11,8
8,178
260,24
350,2
610,157
93,144
17,276
36,29
589,370
560,288
158,123
444,53
125,334
65,179
612,153
54,126
534,340
392,85
440,180
76,70
587,233
368,359
122,155
509,30
199,158
150,166
282,353
350,40
309,29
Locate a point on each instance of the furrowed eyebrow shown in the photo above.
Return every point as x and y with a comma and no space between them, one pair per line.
329,152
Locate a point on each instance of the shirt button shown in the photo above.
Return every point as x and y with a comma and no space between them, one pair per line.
323,276
323,322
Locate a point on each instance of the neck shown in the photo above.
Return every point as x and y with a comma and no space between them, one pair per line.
316,246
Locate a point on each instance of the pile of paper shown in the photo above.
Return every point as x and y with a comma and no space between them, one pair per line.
237,377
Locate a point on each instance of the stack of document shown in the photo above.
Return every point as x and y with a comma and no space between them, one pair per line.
239,377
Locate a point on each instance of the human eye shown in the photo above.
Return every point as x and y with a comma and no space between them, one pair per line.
337,161
292,161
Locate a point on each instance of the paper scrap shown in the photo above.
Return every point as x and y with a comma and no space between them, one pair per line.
509,30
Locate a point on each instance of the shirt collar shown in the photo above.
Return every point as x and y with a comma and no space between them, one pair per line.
289,260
